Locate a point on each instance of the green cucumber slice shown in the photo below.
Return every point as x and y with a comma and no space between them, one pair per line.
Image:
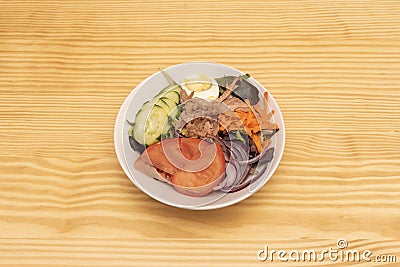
149,124
167,89
164,105
172,106
173,95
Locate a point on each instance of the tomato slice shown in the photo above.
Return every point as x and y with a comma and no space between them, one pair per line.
151,171
190,148
189,154
195,166
155,156
202,182
200,178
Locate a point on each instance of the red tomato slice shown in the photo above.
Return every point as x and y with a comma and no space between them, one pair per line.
200,178
190,148
196,166
155,156
202,182
189,154
149,170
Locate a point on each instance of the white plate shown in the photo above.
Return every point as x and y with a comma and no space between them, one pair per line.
164,193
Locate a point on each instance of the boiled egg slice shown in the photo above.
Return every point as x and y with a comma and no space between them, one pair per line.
202,86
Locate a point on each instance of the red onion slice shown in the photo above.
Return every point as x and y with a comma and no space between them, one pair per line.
269,154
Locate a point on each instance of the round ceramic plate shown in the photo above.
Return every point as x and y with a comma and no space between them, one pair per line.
163,192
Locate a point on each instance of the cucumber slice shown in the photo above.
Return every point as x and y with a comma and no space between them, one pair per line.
137,131
164,105
130,131
173,95
172,106
149,124
154,119
170,110
177,89
165,90
169,88
155,124
146,105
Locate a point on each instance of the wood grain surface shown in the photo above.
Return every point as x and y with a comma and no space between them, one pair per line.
67,66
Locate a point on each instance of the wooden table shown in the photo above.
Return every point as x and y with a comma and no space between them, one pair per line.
67,66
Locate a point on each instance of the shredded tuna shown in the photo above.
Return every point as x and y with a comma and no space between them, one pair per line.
229,89
235,103
185,97
199,117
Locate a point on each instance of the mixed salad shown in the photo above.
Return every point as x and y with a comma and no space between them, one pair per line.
204,134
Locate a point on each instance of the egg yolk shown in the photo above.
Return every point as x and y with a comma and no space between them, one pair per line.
198,86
